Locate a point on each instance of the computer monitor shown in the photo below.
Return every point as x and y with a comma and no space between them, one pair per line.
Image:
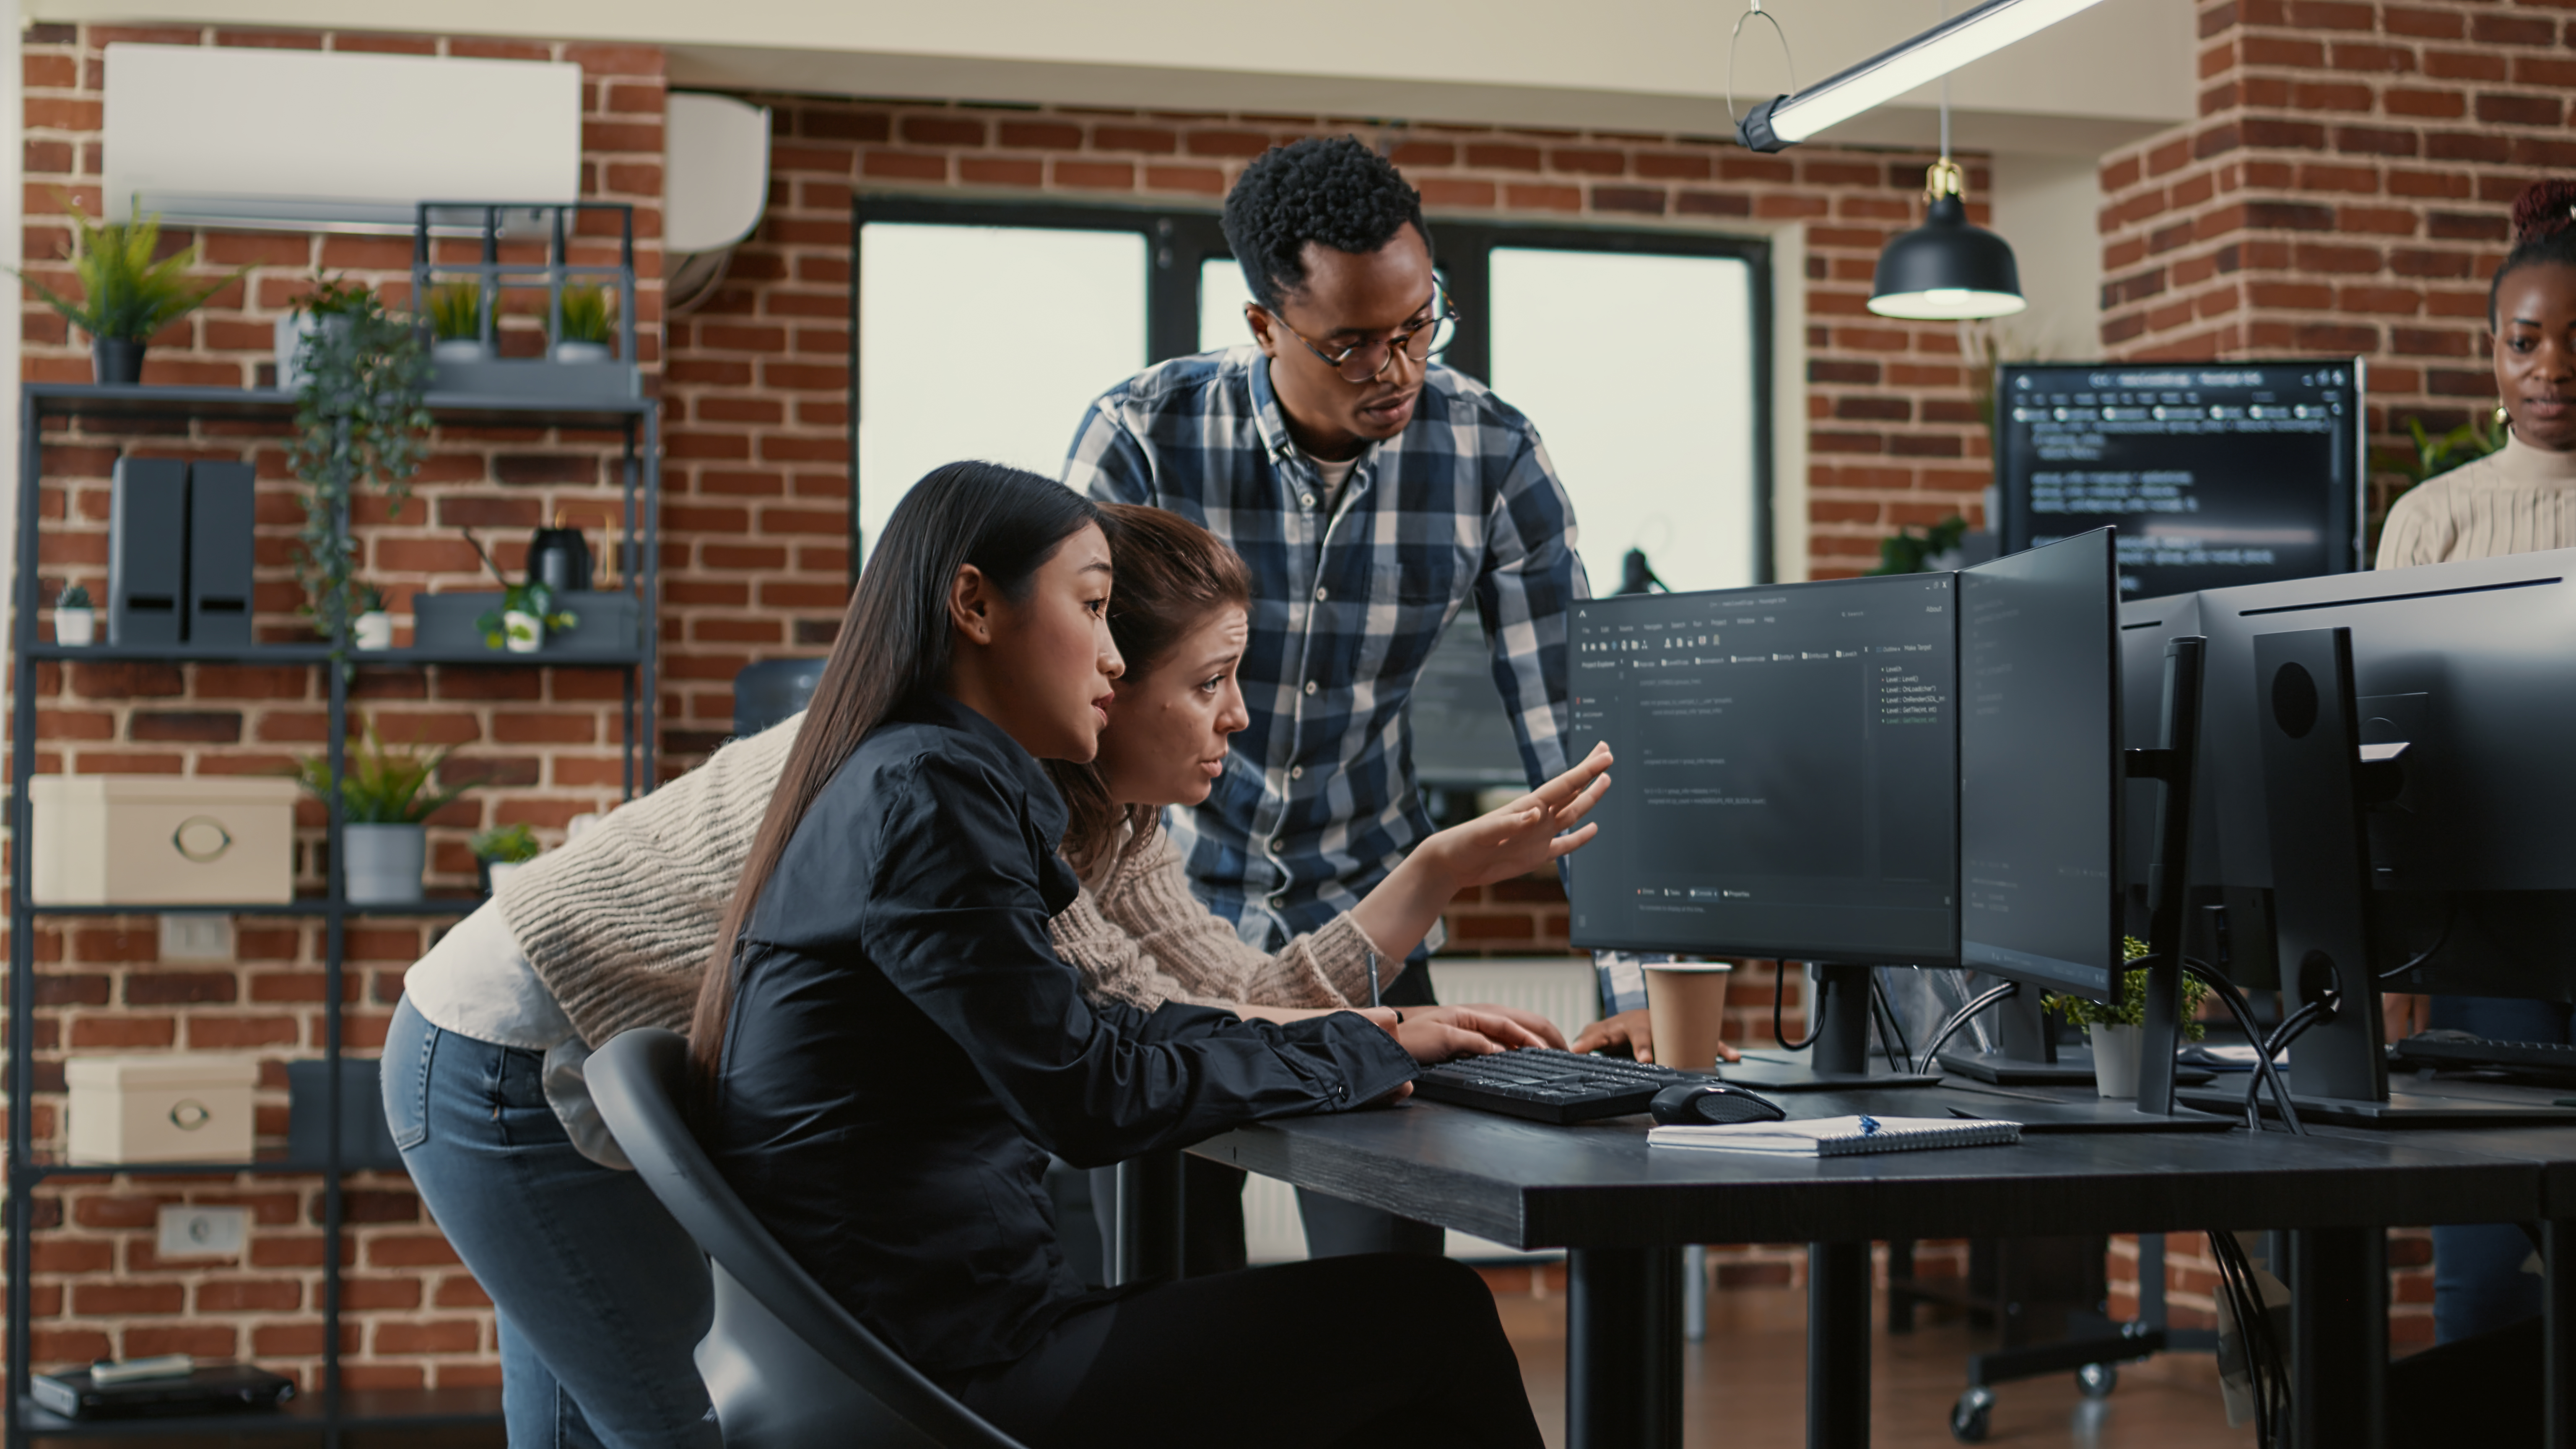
1787,771
2474,863
2216,474
2040,770
1462,738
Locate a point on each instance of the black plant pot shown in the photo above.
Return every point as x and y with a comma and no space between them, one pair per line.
119,360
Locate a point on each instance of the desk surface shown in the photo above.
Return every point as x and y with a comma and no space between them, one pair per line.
1530,1185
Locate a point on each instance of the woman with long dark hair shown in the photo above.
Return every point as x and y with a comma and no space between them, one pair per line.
887,1045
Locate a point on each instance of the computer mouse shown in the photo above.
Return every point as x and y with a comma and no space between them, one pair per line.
1696,1104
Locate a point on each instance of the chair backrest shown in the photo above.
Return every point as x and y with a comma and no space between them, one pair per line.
846,1386
770,691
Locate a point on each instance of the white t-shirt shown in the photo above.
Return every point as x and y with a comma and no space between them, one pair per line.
476,982
1334,476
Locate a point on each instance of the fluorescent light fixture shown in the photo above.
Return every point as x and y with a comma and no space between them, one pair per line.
1784,121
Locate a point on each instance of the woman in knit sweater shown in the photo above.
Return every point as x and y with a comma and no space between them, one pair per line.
612,932
2521,499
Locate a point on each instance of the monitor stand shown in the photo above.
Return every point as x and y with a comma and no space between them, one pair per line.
1838,1060
2318,781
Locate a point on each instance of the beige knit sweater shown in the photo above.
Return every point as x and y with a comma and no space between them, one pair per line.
2519,500
619,924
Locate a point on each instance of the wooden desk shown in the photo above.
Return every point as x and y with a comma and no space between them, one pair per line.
1624,1212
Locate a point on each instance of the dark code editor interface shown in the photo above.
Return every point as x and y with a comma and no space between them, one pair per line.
1786,768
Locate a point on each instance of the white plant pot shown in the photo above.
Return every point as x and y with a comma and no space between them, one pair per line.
2115,1059
373,630
497,871
381,864
459,349
522,633
76,626
581,352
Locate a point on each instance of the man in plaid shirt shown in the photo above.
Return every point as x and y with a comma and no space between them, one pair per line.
1374,492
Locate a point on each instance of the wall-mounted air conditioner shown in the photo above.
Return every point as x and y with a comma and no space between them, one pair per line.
331,141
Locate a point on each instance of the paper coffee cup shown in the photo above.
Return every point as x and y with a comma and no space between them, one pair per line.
1686,1010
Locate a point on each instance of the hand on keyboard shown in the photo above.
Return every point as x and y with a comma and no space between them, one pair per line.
1442,1033
1630,1029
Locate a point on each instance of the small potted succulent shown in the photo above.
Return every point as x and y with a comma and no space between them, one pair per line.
370,627
585,324
75,622
456,322
126,296
385,798
527,611
499,852
2115,1028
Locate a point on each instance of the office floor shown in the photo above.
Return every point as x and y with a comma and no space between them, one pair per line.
1744,1386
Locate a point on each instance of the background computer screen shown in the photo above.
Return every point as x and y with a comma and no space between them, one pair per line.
1462,740
1787,771
2215,474
2040,769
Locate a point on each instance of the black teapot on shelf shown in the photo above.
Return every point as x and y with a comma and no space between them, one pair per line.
559,558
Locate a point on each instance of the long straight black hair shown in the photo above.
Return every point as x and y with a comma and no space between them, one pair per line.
895,642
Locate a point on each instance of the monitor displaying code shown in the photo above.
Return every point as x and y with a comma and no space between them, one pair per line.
1786,770
2215,474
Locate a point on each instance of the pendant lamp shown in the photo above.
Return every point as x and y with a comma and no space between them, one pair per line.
1946,270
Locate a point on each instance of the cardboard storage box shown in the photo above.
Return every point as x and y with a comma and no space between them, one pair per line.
171,1107
163,840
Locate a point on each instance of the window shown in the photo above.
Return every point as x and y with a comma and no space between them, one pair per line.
1642,356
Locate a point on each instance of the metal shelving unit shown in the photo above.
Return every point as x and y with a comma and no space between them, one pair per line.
637,423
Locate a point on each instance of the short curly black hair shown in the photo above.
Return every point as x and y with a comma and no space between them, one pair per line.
1335,191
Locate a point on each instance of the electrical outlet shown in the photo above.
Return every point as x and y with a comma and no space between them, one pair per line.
196,938
202,1232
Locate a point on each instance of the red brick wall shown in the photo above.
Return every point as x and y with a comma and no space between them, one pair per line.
2345,189
543,745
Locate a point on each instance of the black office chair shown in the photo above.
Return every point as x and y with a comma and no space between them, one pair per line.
785,1363
770,691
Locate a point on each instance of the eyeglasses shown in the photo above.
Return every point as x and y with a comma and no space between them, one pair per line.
1366,362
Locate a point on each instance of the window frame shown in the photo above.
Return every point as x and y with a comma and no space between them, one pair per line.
1181,240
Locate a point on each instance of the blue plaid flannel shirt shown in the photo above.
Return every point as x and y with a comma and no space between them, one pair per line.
1318,801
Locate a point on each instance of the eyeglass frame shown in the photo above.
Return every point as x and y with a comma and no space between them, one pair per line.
1394,343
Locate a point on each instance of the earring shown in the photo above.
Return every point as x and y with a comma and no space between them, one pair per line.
2502,418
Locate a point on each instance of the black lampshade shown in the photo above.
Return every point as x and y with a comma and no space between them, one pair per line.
1946,269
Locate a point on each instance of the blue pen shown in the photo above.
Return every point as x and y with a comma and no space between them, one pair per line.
1868,1126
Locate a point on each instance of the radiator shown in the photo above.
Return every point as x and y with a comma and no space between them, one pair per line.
1559,988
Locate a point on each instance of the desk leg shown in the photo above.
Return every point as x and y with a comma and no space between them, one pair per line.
2558,1244
1838,1277
1623,1348
2338,1337
1149,1219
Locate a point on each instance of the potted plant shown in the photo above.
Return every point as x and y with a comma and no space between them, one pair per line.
527,610
500,851
360,417
372,628
75,622
585,324
126,296
2114,1028
456,322
385,797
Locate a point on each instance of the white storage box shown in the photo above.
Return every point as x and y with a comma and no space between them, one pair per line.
163,1108
163,840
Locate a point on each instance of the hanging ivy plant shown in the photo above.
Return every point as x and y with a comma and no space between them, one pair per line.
360,419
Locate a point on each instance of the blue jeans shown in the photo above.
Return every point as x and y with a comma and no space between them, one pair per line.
2478,1282
601,1297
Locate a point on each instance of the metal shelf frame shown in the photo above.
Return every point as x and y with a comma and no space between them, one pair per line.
636,423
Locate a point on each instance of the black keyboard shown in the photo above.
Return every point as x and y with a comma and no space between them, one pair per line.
2459,1049
1546,1085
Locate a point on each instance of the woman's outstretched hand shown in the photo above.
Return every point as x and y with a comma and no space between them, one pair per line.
1529,832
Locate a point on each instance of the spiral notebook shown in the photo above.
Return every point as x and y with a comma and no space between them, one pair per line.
1838,1136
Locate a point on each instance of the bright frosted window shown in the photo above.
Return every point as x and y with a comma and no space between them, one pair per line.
1638,372
986,342
1221,299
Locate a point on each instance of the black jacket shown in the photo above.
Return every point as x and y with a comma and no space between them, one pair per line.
905,1047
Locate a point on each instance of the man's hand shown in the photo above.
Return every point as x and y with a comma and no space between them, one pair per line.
1632,1030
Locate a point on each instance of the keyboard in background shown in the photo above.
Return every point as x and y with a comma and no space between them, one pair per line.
1546,1085
2458,1049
